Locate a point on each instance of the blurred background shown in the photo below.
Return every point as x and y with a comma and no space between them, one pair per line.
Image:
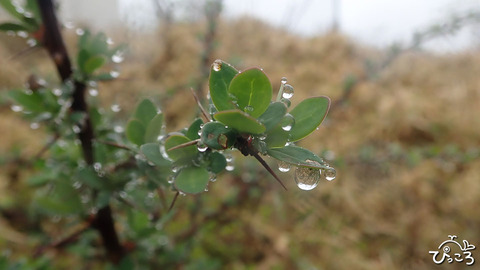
403,131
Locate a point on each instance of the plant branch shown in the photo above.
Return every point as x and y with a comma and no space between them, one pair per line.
53,42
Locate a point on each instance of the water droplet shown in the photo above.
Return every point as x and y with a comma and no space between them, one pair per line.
217,65
31,42
118,129
206,189
77,184
69,25
28,14
170,179
97,166
110,41
283,80
175,168
76,129
201,147
57,92
22,34
307,178
93,92
16,108
248,108
230,167
287,122
287,91
34,125
182,193
115,108
330,174
114,74
80,31
286,101
117,57
213,177
262,137
283,166
228,157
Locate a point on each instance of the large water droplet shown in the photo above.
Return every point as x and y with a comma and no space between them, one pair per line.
307,178
283,80
287,91
287,122
230,167
117,57
286,101
228,157
283,166
330,174
217,65
202,147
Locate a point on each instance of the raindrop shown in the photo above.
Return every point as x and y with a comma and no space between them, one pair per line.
228,157
80,31
217,65
230,167
307,178
287,91
28,14
212,109
283,80
175,169
69,25
286,101
115,108
57,92
16,108
330,174
19,9
182,193
206,189
34,125
118,129
110,41
202,147
76,129
283,166
287,122
262,137
97,166
28,91
22,34
77,184
93,92
114,74
213,177
170,179
31,42
248,108
117,57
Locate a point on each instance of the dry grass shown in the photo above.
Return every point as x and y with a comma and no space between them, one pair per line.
400,143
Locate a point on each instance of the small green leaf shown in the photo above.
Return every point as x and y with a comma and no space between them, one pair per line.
13,27
297,156
253,91
32,102
216,136
221,74
89,177
10,8
93,63
135,131
192,180
179,153
152,153
192,132
276,137
272,116
240,121
145,111
308,115
154,128
217,162
64,200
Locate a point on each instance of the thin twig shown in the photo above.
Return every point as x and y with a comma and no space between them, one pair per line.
22,53
173,201
183,145
205,114
265,165
121,146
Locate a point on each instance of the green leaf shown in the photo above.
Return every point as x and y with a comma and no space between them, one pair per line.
276,137
217,162
253,91
64,200
179,153
240,121
30,102
217,136
192,132
135,131
154,128
192,180
89,177
152,153
308,115
272,116
11,9
13,27
297,156
219,81
93,63
145,111
82,58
